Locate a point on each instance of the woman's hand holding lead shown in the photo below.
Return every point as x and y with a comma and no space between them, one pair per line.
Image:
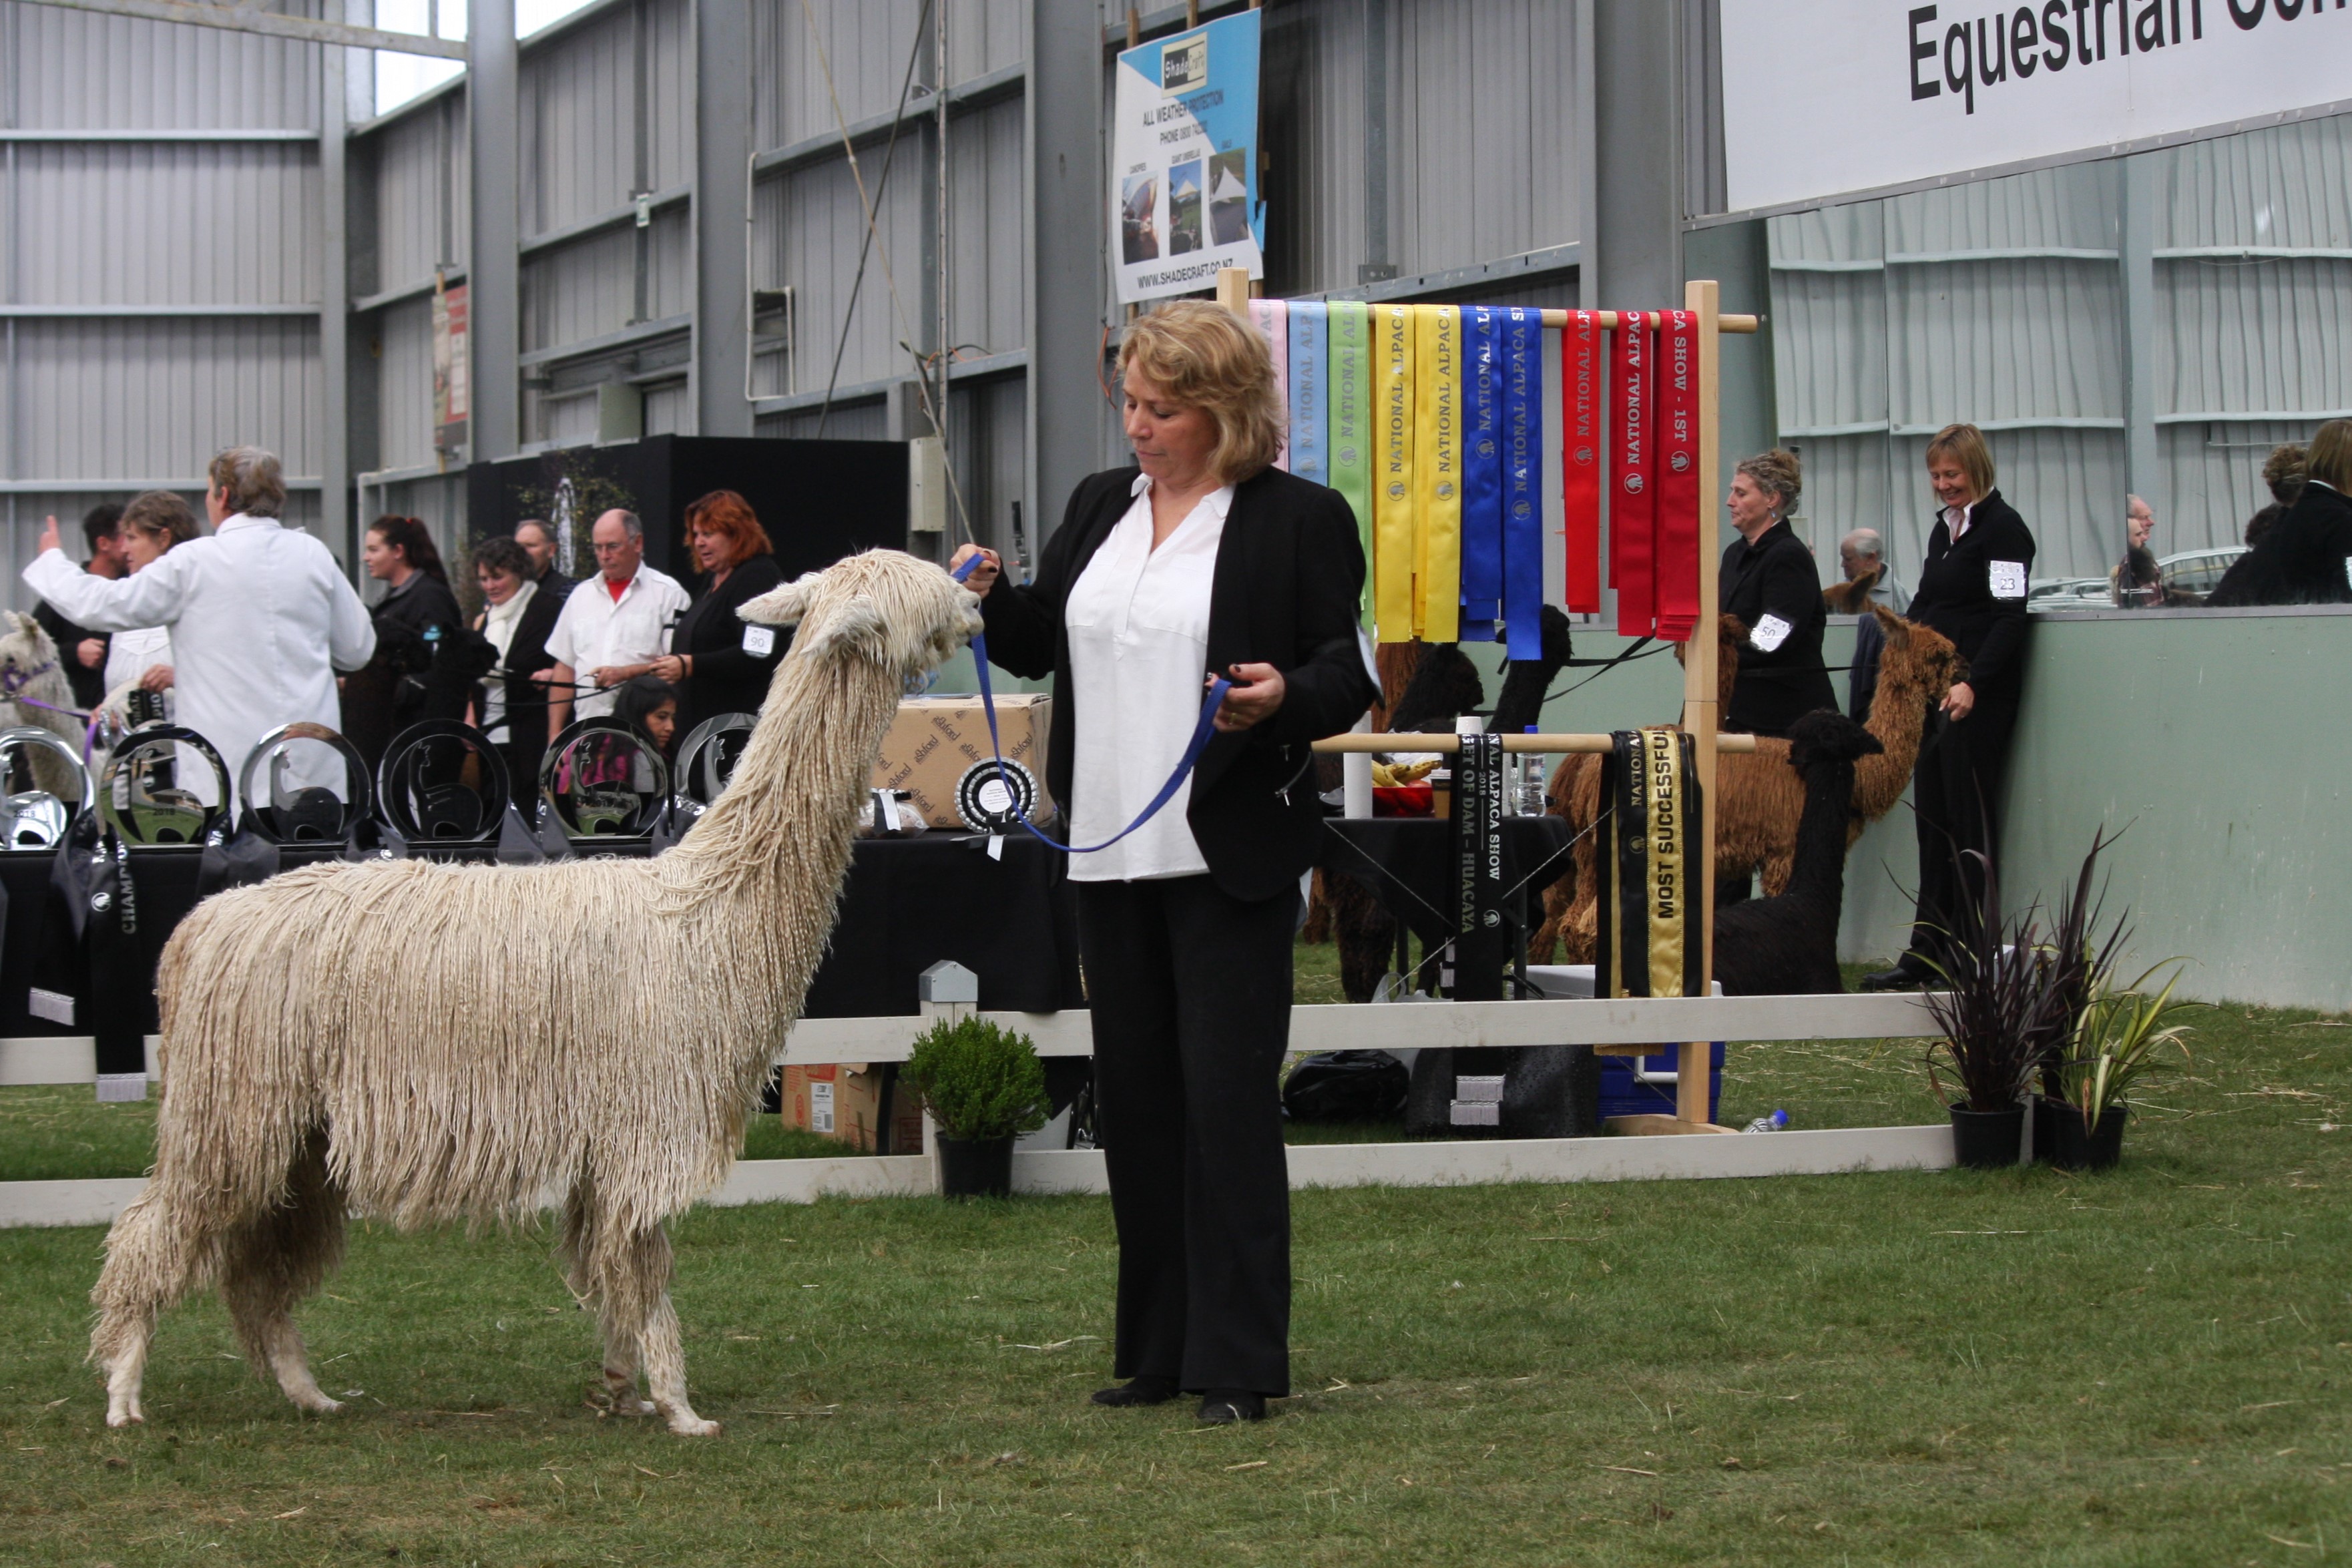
983,576
1254,702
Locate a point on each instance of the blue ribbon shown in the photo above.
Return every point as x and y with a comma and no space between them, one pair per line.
1482,479
1203,731
1521,366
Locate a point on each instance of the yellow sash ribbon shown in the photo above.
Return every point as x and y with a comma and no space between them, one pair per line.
1668,898
1437,468
1393,500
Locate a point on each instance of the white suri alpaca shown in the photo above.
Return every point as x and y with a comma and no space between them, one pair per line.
429,1043
29,668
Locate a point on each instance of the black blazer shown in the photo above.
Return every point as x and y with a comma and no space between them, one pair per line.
2304,557
1957,595
526,705
1289,580
1776,576
726,679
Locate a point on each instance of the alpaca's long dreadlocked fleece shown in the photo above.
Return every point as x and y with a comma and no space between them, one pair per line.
431,1043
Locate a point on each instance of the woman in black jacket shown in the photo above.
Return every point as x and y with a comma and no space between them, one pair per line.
1771,581
1204,558
1972,590
2305,557
717,662
519,614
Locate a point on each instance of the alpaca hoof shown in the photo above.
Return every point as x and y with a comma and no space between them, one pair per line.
120,1419
321,1406
695,1427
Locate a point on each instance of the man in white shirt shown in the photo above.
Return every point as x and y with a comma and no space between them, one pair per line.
260,615
613,626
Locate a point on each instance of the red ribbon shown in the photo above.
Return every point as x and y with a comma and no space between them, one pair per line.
1677,561
1584,371
1634,466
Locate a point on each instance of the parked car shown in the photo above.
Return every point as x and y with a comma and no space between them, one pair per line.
2198,571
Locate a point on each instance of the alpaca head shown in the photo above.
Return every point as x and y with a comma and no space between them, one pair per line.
1444,687
1828,736
1731,636
25,652
883,607
1918,658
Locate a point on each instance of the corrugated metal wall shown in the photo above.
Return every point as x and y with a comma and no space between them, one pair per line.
161,236
2003,304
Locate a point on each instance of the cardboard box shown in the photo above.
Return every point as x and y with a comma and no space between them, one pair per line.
934,741
844,1100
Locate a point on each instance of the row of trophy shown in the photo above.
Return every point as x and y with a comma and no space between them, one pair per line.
441,784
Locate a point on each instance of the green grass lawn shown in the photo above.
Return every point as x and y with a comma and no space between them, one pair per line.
2145,1366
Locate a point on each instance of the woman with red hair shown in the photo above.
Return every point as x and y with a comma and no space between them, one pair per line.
719,663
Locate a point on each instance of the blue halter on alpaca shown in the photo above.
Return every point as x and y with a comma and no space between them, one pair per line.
1202,730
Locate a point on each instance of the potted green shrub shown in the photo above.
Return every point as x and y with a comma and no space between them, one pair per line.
984,1087
2117,1041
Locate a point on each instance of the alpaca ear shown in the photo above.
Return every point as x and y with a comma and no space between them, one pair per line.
781,606
854,627
1898,629
22,622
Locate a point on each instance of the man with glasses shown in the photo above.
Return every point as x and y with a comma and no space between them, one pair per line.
614,625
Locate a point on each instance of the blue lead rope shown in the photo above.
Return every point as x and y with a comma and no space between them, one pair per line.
1203,730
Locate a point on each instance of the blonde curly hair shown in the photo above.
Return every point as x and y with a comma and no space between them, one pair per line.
1202,356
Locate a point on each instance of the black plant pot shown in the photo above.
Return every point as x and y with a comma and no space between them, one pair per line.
2073,1149
976,1167
1988,1140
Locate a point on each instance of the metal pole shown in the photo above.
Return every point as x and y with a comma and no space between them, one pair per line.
944,344
493,270
335,321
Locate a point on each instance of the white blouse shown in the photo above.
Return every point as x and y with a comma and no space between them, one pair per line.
1138,625
131,654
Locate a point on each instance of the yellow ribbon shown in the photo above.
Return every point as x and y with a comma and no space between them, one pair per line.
1437,468
1668,896
1393,498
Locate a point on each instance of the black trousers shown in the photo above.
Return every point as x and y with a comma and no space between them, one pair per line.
1957,788
1191,994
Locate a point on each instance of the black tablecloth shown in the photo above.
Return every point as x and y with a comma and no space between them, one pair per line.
911,902
1408,863
907,904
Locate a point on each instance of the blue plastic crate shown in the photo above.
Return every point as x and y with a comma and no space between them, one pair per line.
1622,1094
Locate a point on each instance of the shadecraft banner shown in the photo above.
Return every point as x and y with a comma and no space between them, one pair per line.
1183,183
1839,96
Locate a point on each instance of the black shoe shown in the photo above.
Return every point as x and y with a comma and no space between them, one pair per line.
1224,1407
1139,1391
1899,978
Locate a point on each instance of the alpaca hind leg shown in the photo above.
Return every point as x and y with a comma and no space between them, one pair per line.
1776,869
645,1293
155,1256
272,1262
576,1250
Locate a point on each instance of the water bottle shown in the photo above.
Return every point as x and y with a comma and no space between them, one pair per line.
1778,1122
1531,782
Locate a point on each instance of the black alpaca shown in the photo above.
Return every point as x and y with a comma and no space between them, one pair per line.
1788,946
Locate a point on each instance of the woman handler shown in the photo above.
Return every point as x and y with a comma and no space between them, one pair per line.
1201,558
1972,590
1770,582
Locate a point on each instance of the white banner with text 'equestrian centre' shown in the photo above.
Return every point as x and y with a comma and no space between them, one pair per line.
1839,96
1183,178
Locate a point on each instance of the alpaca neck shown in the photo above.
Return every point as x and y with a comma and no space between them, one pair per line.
1817,873
1898,712
782,828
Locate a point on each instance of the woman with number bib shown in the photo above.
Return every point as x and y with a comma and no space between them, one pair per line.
1972,590
1201,560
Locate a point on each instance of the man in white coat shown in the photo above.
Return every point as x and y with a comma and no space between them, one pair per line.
260,616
